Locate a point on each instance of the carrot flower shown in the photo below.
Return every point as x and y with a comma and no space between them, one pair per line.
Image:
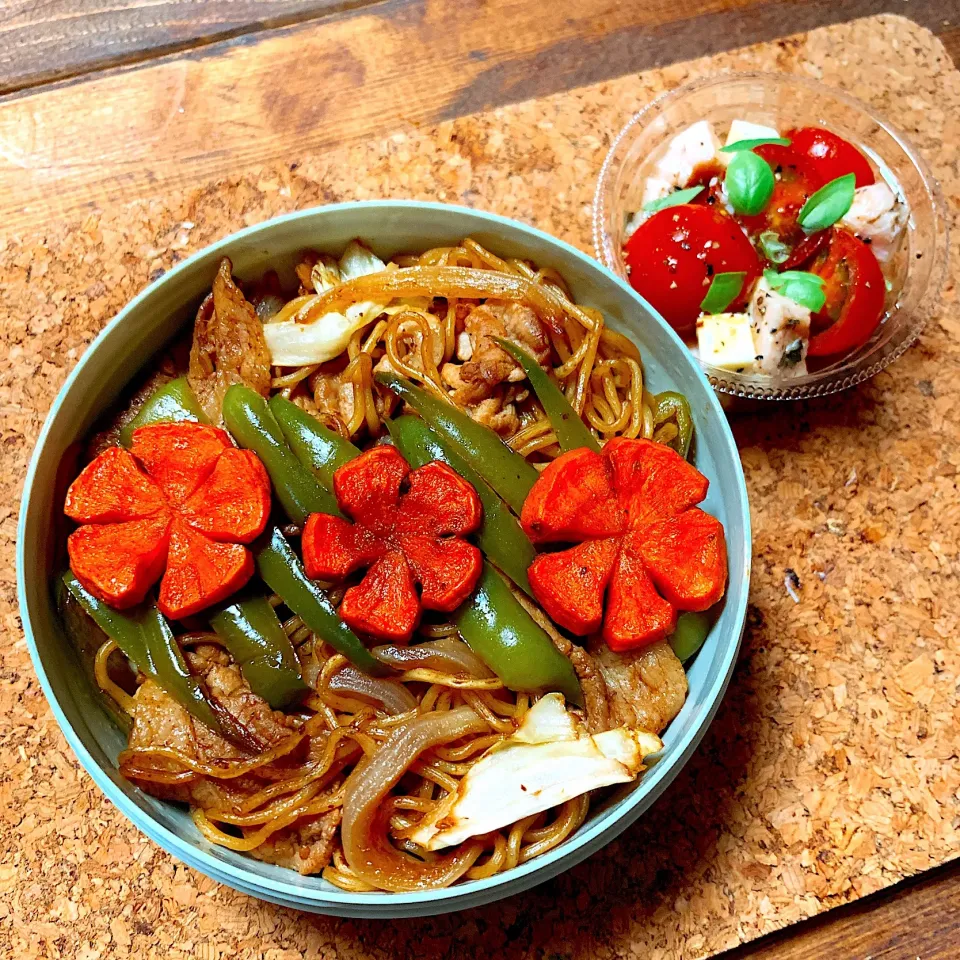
643,549
404,538
179,505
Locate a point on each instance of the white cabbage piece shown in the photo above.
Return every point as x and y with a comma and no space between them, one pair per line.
550,759
293,344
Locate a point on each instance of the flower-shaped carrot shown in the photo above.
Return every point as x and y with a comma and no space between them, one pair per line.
405,538
180,503
640,541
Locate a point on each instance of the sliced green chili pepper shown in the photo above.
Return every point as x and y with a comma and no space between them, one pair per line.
168,667
572,433
689,634
511,643
174,401
147,641
670,405
320,450
252,632
283,573
255,428
507,472
501,537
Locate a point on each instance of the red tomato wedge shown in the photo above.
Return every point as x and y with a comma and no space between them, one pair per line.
830,156
673,256
855,291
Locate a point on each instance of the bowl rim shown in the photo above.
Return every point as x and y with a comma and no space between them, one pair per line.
585,841
756,386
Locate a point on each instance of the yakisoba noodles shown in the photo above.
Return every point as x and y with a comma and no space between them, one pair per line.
427,709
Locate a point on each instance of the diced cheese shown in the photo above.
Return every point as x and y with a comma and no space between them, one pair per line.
745,130
725,340
877,217
697,144
781,332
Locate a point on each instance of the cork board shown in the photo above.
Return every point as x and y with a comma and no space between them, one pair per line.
830,770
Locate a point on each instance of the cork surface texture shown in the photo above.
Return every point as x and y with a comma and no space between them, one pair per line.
831,769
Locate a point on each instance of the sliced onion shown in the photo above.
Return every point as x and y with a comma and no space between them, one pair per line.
366,846
394,697
449,282
447,655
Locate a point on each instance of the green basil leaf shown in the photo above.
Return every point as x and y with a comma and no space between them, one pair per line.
724,289
749,183
798,285
774,249
673,200
758,142
825,207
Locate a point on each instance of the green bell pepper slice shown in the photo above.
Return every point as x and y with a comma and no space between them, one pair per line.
145,637
675,406
283,573
507,472
171,403
501,537
252,632
572,433
318,448
688,635
254,427
511,643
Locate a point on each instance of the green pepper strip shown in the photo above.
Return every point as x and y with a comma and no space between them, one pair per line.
147,641
254,427
511,643
675,405
320,450
501,537
689,634
252,632
507,472
572,433
174,401
280,569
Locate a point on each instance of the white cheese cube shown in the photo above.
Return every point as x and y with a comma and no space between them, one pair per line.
745,130
781,332
697,144
878,218
725,340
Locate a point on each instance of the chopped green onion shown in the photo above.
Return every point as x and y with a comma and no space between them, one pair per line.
749,183
724,289
828,204
758,142
798,285
672,200
774,249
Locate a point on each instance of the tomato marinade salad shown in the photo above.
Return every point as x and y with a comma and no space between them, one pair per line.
771,254
386,575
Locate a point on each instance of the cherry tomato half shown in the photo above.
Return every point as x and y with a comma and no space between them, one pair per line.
795,182
673,256
830,156
855,291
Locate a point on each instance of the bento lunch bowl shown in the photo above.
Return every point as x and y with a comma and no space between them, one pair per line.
784,100
114,361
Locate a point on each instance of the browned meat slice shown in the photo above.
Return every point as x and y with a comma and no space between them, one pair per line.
306,847
646,689
488,365
225,684
228,345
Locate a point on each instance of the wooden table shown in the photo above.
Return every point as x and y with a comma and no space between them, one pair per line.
471,55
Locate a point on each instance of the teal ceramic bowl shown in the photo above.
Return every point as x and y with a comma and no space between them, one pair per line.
115,361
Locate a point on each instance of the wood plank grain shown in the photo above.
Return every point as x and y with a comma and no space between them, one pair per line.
42,40
243,101
915,920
